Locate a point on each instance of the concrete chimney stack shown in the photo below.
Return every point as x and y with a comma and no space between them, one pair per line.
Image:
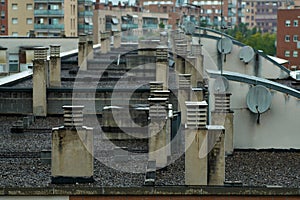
82,52
40,81
155,85
181,52
72,149
117,39
157,131
223,115
196,144
162,66
55,66
105,42
184,93
90,49
216,155
196,51
164,38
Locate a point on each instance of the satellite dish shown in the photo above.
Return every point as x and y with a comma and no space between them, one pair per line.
189,27
225,45
259,99
246,54
221,84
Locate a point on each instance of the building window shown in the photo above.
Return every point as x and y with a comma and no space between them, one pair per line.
295,54
2,14
29,20
29,6
15,34
14,6
287,23
296,23
14,20
287,53
287,38
295,38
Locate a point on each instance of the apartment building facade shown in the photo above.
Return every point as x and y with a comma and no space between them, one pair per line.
288,37
262,14
3,19
49,17
108,18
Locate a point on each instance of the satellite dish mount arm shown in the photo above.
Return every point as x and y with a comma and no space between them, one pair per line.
258,115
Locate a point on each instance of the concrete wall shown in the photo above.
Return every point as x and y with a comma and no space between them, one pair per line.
278,126
212,60
13,44
19,101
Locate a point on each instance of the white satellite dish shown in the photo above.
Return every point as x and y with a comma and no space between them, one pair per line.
221,84
259,99
225,45
246,54
189,27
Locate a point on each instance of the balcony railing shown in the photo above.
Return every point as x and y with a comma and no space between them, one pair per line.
86,13
86,2
125,27
49,26
49,12
150,26
85,27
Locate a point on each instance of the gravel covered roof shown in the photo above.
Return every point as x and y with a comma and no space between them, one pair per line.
21,165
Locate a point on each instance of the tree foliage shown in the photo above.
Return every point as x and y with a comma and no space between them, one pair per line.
254,38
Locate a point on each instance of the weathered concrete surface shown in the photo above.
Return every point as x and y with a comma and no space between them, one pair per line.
195,161
225,119
72,152
39,101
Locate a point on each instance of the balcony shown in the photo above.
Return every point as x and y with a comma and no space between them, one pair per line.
85,27
86,14
48,1
126,27
150,26
49,26
86,2
49,13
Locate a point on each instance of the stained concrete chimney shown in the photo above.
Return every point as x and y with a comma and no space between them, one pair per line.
55,66
196,51
157,131
184,93
164,38
117,39
223,115
105,42
72,149
197,94
216,155
166,94
196,144
162,66
40,79
155,85
90,49
82,52
190,68
181,52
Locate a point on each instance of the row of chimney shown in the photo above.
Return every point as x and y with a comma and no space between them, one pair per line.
205,145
